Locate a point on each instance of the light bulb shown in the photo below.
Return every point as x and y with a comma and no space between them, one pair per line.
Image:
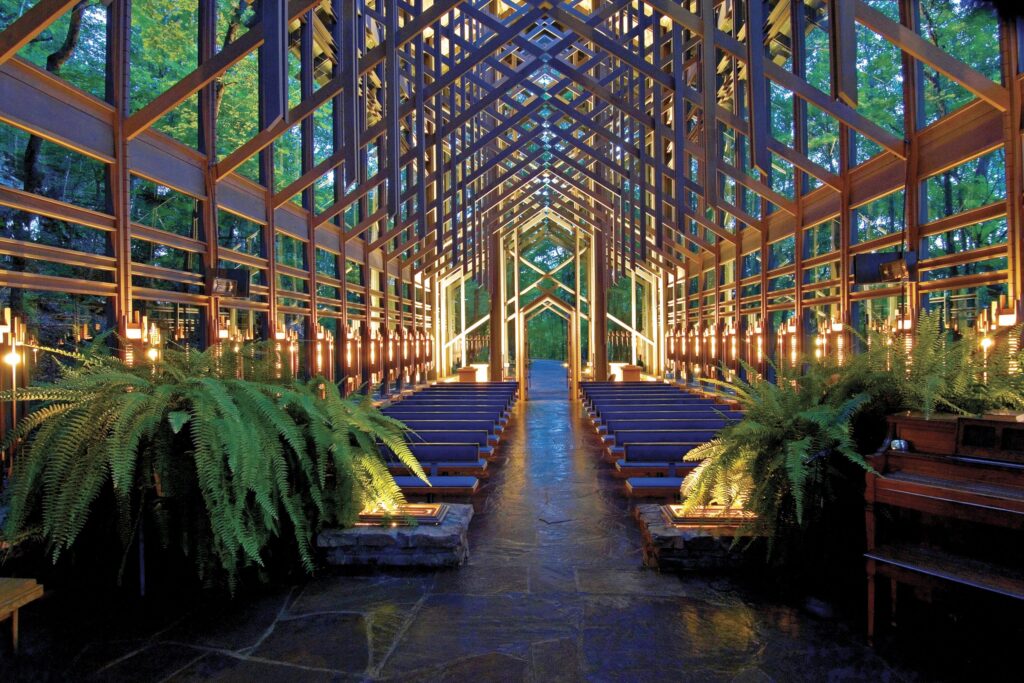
152,353
12,358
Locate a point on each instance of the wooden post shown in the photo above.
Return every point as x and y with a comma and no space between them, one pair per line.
497,325
599,309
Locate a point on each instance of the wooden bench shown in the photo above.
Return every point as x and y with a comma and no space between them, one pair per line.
664,488
435,414
615,444
442,459
488,426
903,562
654,460
659,424
439,487
15,594
601,422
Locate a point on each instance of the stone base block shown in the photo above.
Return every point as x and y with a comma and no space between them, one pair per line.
667,546
426,545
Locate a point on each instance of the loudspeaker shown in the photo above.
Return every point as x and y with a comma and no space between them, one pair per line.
229,282
891,266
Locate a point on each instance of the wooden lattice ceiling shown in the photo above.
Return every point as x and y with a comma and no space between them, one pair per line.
460,113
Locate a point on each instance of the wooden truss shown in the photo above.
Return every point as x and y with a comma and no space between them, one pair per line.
642,125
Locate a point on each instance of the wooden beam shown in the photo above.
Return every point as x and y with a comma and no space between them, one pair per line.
839,110
206,72
940,60
34,21
843,57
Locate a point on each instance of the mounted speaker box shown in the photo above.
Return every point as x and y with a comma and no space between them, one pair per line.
890,266
229,282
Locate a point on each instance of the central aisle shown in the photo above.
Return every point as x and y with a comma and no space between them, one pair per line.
554,591
555,588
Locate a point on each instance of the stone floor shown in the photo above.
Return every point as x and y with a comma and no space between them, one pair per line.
554,591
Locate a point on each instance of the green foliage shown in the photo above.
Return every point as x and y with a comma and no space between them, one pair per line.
938,372
227,469
777,461
790,455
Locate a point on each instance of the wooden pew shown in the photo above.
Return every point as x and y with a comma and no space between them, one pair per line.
616,448
488,426
439,487
480,437
442,459
435,414
655,460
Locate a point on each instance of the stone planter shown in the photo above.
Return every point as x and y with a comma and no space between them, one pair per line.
936,434
692,548
442,545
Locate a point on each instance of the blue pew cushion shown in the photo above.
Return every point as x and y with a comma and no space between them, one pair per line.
640,483
445,482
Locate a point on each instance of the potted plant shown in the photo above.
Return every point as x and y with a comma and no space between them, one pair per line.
219,471
780,460
939,378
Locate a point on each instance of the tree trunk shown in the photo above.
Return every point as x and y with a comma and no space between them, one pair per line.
229,36
32,176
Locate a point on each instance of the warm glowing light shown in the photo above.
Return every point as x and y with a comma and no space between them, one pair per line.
152,353
12,358
986,343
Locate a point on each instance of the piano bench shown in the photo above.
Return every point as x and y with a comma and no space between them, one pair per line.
15,594
918,565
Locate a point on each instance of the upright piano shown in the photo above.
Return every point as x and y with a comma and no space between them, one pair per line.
953,517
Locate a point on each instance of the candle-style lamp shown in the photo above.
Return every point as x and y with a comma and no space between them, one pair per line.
1008,315
142,340
351,368
792,329
821,341
323,352
838,329
15,360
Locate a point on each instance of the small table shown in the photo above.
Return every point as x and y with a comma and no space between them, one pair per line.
14,594
467,374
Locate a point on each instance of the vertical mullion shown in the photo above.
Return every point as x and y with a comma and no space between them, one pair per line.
392,75
348,58
274,61
643,164
306,128
709,79
421,137
118,178
757,87
679,131
208,146
659,134
438,150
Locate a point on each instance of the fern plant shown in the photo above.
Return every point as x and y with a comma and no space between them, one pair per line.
224,468
939,372
776,461
793,451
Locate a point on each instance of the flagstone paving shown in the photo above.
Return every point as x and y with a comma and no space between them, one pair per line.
554,591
